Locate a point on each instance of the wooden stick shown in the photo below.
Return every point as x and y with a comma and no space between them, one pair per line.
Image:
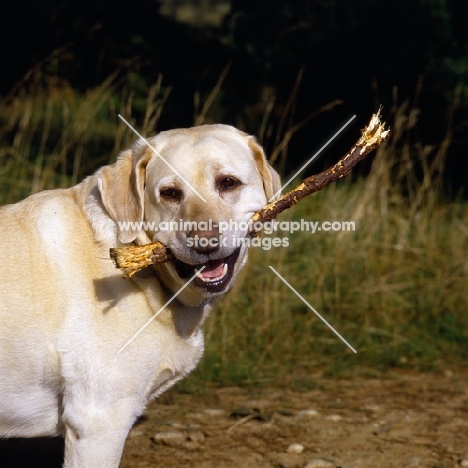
132,259
372,136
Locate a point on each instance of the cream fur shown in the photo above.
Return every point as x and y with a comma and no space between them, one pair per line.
65,311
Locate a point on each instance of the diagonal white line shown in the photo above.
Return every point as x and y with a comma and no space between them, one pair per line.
156,152
312,309
159,311
312,158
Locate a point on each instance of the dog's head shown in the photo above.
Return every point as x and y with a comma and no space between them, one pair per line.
195,191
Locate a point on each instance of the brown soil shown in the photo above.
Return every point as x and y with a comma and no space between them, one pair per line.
400,421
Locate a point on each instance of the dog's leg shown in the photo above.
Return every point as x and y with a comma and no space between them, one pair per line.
97,440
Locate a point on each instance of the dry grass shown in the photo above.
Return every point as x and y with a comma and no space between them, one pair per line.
395,287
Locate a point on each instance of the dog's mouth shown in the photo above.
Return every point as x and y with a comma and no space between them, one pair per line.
215,274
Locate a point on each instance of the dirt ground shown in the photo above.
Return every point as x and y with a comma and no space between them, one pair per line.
405,420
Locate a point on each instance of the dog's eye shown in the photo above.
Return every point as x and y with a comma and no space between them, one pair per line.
228,183
171,194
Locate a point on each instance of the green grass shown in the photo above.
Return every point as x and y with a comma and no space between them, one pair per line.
395,288
399,301
53,136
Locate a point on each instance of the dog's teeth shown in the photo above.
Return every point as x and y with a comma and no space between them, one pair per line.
212,280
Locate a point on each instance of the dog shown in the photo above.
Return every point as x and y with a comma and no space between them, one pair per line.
83,350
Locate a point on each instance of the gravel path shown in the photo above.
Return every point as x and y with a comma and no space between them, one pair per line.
413,421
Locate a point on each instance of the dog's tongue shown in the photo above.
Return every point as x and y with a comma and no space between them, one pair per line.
213,269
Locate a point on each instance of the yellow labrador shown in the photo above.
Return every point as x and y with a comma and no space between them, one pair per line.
66,312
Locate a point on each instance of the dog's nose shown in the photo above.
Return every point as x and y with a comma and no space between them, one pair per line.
204,241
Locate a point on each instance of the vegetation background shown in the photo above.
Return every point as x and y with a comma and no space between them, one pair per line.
292,73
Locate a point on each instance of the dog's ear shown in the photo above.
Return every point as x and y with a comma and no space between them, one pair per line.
122,187
271,179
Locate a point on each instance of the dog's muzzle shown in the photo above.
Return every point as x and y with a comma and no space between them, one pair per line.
215,274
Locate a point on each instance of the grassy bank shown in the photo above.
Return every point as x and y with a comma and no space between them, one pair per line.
395,287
